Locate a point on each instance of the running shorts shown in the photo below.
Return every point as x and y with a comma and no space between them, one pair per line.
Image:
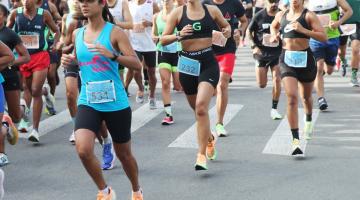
304,75
2,99
343,40
12,82
226,62
149,58
209,70
117,122
262,62
325,50
168,61
38,61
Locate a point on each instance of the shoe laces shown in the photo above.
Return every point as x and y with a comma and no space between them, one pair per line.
201,159
107,149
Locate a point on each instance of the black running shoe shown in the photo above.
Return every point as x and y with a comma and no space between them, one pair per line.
322,104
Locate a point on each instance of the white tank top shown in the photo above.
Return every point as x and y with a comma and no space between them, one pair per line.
317,5
116,11
142,41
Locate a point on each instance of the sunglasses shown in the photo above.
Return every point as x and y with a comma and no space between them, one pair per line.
274,1
90,1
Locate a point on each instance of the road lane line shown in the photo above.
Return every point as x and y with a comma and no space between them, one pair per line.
188,138
280,141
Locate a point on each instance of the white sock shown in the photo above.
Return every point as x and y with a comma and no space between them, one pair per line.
106,191
168,110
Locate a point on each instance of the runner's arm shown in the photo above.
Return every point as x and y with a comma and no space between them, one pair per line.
11,19
53,27
69,58
347,11
128,22
251,31
317,32
167,36
156,8
275,27
6,56
128,57
220,20
243,24
155,35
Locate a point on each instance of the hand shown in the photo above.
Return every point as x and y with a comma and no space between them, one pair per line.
186,31
296,26
155,39
275,38
257,51
67,60
59,46
146,23
226,32
100,49
334,24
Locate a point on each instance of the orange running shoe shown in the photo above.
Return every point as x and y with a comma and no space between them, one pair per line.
137,195
12,134
200,162
211,152
110,196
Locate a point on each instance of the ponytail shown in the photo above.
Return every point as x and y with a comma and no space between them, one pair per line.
107,16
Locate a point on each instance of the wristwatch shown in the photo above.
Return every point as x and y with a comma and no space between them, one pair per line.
178,37
115,57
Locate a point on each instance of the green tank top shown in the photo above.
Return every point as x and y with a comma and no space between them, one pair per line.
171,48
333,33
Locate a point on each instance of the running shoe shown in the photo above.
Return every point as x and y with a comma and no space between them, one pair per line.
338,63
12,134
152,104
146,86
168,120
26,110
308,130
322,104
139,98
108,157
3,159
72,138
354,81
110,196
275,115
296,150
34,136
137,195
211,152
2,177
49,100
23,126
220,130
201,162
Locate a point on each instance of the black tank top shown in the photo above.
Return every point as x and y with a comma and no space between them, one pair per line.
202,28
293,34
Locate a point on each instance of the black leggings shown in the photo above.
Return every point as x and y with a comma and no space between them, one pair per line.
117,122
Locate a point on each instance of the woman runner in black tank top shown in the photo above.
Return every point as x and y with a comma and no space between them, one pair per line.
297,64
199,70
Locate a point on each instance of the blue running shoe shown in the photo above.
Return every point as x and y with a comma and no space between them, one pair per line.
108,157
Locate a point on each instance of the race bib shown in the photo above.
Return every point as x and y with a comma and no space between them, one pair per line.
324,20
30,41
348,29
188,66
296,59
218,39
266,41
100,91
139,28
265,26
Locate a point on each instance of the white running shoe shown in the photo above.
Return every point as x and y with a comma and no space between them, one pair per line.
23,126
3,159
72,138
275,115
2,178
26,110
34,136
152,104
49,100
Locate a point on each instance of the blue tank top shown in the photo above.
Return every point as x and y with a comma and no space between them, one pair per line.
45,5
35,27
101,87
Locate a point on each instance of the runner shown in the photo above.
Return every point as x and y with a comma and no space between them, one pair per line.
265,53
248,6
233,11
7,128
259,5
52,75
142,12
341,58
355,56
297,64
30,23
15,3
11,74
201,75
98,60
167,58
326,52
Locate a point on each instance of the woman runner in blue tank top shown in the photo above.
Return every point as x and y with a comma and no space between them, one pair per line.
199,70
102,97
